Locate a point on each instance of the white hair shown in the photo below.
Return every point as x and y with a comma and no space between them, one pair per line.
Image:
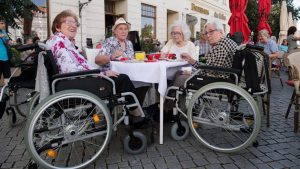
216,24
184,28
264,32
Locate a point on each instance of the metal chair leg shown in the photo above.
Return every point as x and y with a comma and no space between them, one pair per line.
290,104
296,115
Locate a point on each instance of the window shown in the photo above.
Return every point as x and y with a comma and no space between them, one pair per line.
148,20
203,22
224,26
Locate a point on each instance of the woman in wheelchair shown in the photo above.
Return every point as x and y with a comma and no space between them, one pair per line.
220,55
72,127
220,114
68,58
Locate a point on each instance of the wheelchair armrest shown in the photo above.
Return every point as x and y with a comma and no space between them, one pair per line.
24,65
85,72
220,69
260,48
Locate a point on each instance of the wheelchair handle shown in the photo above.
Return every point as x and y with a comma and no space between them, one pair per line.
32,46
260,48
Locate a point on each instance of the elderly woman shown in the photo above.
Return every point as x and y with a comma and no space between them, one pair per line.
270,46
222,48
68,59
292,38
180,41
118,47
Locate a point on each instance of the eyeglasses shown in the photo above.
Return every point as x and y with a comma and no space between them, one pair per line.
176,33
71,23
209,32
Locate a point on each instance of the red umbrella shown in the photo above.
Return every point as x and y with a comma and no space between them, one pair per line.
264,8
238,21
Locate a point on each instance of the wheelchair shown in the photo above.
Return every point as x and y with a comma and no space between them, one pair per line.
72,127
220,112
20,83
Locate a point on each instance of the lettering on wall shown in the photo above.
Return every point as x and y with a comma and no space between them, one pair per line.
220,16
199,9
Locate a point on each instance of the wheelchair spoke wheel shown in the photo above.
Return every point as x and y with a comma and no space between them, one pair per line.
68,129
227,117
20,101
34,101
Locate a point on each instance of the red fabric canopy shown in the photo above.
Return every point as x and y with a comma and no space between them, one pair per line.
238,21
264,8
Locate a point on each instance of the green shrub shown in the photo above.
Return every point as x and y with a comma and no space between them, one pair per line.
16,57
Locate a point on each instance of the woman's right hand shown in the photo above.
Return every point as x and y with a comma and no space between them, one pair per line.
111,73
116,54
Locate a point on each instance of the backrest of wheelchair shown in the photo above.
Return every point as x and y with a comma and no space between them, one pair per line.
92,83
255,71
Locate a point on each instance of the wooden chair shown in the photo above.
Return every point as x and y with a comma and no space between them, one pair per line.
294,68
275,69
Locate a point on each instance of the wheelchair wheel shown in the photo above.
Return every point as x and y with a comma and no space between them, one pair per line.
68,129
214,108
20,102
180,133
135,144
33,103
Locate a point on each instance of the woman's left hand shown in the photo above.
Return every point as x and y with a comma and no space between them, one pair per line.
111,73
187,57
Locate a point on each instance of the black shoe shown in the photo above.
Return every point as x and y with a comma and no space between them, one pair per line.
136,119
236,115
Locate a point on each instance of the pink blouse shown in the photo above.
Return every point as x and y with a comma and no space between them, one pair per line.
66,56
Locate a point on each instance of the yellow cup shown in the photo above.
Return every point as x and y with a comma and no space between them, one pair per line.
139,55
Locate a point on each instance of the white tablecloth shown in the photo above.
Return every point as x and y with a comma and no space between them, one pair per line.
149,72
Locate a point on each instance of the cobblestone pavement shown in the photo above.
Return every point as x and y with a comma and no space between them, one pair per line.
278,147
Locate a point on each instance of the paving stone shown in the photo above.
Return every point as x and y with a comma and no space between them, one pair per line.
276,165
275,156
214,166
229,166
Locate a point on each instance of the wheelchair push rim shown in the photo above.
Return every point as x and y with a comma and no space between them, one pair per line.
69,129
213,108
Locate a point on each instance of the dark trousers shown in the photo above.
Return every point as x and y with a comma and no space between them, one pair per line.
5,69
124,84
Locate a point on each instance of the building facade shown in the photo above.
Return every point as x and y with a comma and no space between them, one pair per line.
98,16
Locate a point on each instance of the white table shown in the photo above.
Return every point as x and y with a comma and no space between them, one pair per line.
151,72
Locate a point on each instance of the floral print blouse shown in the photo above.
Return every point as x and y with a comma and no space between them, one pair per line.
111,45
66,56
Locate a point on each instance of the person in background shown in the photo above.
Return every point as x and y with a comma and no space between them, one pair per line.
292,39
25,54
68,59
270,46
284,46
204,46
117,47
4,55
180,41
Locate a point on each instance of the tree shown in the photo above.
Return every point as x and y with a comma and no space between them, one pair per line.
252,12
13,10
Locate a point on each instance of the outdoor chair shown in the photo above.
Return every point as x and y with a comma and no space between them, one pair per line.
275,65
294,81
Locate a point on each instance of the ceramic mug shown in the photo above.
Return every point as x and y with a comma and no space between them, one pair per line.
139,55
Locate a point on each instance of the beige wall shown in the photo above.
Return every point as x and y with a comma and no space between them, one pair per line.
93,18
93,15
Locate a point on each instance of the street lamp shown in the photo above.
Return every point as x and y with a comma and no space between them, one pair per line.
81,5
